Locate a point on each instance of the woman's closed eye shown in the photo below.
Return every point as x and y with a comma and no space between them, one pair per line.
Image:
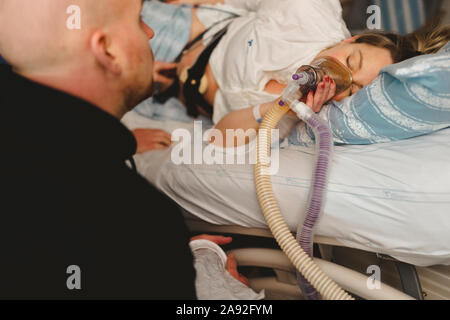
349,63
354,87
355,61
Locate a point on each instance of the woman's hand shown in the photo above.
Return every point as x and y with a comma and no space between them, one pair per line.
151,139
165,74
324,92
231,259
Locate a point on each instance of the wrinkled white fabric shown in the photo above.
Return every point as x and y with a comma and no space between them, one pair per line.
391,198
213,282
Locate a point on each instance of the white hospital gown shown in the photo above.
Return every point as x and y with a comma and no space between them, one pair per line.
270,40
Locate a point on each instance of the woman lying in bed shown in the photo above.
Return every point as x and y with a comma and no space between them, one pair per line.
263,47
365,56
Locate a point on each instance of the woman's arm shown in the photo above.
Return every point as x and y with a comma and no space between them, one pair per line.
244,119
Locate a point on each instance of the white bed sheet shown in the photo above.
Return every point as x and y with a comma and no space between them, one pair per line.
391,198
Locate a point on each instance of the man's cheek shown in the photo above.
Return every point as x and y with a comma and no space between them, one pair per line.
148,50
151,89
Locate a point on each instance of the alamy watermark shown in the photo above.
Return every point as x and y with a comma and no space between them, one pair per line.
374,281
374,20
73,22
73,282
207,147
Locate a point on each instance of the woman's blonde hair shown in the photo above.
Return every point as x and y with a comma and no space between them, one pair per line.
428,39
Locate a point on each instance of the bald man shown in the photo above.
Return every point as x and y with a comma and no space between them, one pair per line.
76,221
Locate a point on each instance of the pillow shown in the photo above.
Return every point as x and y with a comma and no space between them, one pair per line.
406,100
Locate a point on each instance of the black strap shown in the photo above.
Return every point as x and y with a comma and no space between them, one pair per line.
174,89
191,87
201,35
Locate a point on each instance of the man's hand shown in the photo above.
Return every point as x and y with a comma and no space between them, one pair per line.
232,269
231,260
152,139
165,74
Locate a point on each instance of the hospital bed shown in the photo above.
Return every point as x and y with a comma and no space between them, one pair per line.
394,227
386,203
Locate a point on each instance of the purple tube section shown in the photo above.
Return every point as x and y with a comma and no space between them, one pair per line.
324,144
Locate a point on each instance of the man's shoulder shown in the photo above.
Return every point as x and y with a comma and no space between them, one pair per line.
137,191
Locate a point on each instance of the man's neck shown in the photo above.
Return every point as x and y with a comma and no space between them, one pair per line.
85,85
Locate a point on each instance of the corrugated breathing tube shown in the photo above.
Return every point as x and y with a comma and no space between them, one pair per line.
299,254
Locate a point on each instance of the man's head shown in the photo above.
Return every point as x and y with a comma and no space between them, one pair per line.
107,61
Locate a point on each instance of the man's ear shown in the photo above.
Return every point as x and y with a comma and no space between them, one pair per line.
351,40
101,48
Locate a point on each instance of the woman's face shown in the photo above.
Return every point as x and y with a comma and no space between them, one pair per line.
365,62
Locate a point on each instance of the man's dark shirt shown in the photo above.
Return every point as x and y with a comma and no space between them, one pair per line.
69,199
